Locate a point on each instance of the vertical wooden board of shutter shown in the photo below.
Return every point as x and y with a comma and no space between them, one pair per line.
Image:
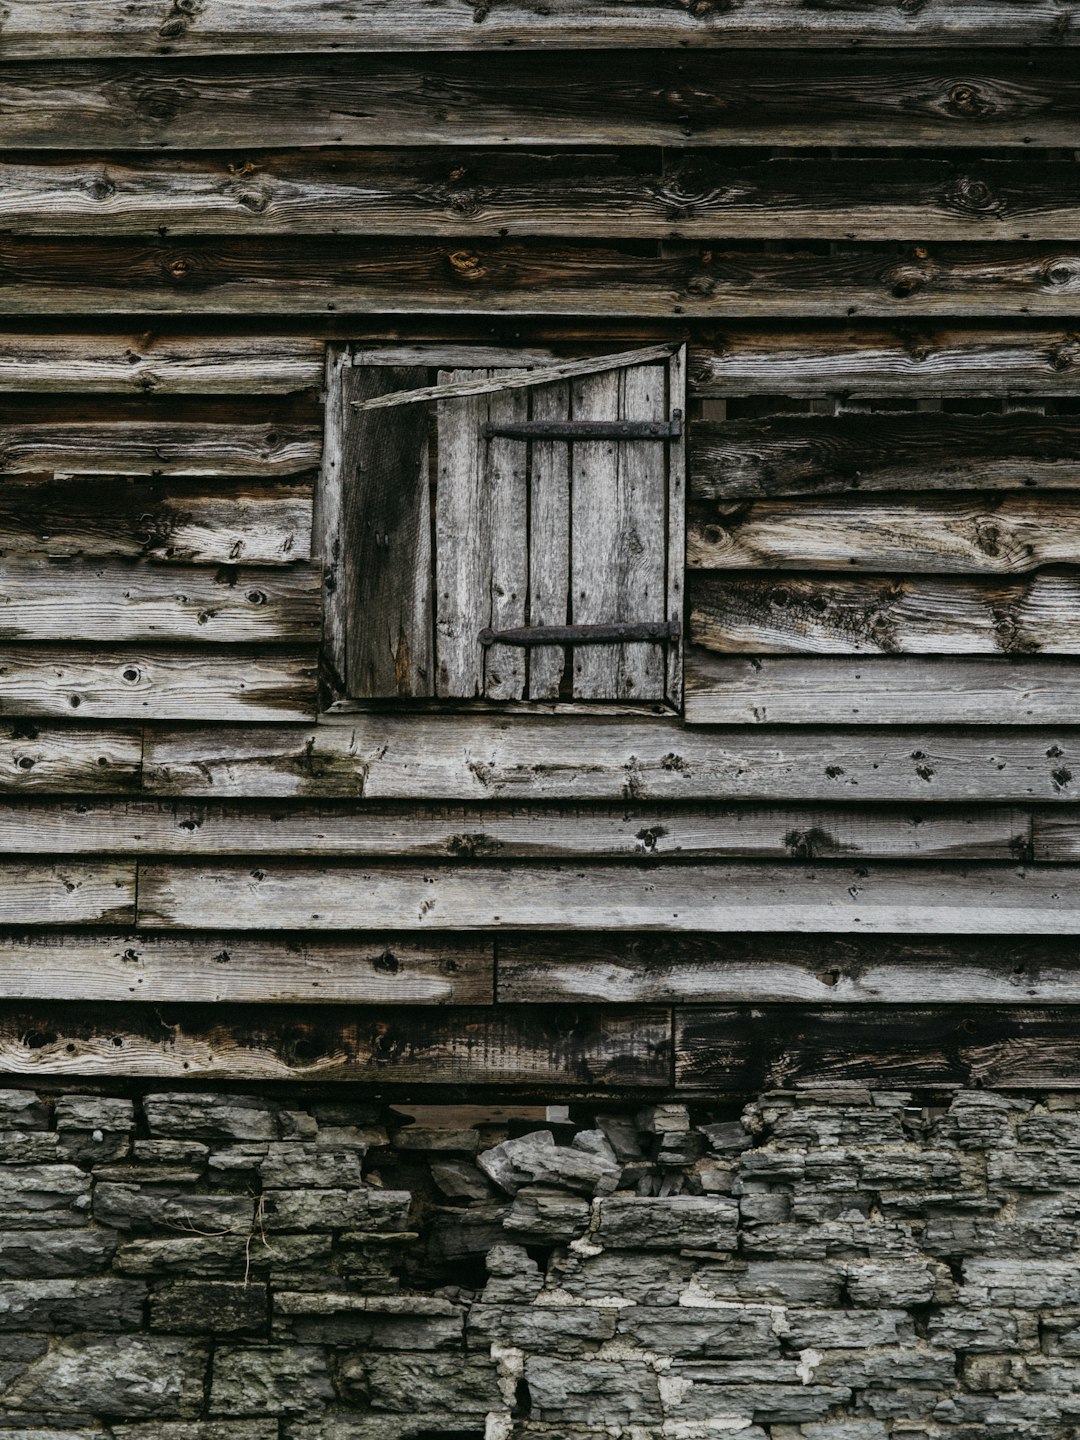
387,540
641,523
504,490
462,541
676,524
326,522
594,526
549,540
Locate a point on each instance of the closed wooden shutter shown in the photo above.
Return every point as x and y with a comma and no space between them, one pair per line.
514,538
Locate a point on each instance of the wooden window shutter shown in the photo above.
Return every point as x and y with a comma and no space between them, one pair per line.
512,535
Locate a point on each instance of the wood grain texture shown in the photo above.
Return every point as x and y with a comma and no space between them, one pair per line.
983,98
385,540
615,194
816,455
916,899
864,361
970,534
463,540
250,276
884,615
782,969
158,448
68,759
1054,838
466,833
744,1049
310,970
881,690
565,1048
549,540
97,892
55,29
174,520
118,601
519,758
160,364
152,683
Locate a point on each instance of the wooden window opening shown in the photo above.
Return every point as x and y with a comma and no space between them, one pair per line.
502,532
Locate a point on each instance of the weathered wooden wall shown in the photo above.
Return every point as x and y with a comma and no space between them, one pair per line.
875,260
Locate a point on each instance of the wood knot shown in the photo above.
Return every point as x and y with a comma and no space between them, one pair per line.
972,195
100,188
179,268
1066,355
466,264
179,17
1063,274
968,101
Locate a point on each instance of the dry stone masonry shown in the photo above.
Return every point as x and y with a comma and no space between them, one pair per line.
833,1266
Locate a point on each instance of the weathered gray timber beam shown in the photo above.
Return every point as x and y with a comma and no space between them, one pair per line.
68,759
865,361
250,276
963,535
674,896
470,832
881,690
766,1048
566,1047
158,447
615,194
154,683
173,520
1055,837
784,969
859,359
54,29
884,615
156,364
117,601
215,970
979,98
95,892
827,455
470,758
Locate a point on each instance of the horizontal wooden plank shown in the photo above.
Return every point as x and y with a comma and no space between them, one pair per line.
615,194
96,892
518,758
782,969
566,1048
834,455
151,683
254,275
154,969
750,1050
983,99
162,447
884,615
159,364
1055,837
673,896
463,832
879,690
968,534
176,520
52,29
116,601
68,759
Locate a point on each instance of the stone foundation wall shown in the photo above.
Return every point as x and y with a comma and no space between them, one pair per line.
839,1266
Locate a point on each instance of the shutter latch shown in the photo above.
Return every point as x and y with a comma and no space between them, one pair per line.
614,634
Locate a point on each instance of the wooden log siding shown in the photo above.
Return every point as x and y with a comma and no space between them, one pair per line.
59,28
984,98
614,194
881,690
243,276
485,759
465,833
839,455
1009,534
220,970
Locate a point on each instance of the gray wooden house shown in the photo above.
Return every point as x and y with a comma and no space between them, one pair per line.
539,578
